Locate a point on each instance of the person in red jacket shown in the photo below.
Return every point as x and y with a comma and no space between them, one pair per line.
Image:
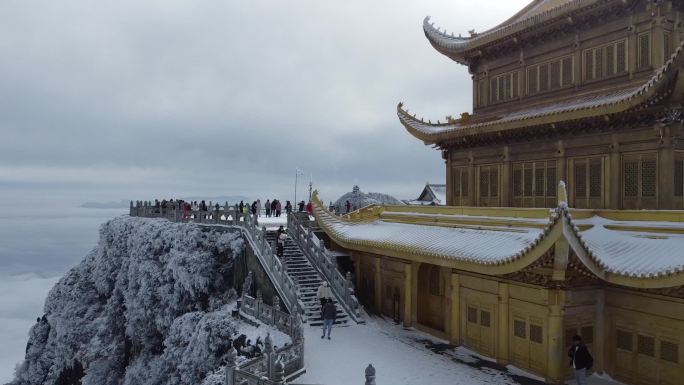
309,208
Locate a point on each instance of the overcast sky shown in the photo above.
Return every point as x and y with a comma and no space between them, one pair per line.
104,100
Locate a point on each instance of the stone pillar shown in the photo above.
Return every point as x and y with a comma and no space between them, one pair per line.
279,372
556,358
269,352
378,284
370,375
455,330
408,303
502,355
230,365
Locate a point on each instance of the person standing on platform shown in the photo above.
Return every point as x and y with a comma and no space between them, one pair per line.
347,206
268,208
309,208
258,207
278,208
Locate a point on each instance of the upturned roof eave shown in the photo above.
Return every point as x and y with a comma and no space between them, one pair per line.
441,133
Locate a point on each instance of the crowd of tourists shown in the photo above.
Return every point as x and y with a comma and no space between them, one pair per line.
271,208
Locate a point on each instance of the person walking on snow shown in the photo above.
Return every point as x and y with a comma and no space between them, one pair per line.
580,360
328,313
324,294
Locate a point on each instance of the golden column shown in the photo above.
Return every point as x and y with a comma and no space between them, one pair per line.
555,372
502,350
455,330
408,288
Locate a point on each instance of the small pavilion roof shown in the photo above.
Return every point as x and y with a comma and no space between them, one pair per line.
646,251
537,13
577,107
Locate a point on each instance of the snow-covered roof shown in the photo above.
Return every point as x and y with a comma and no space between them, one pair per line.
431,194
537,13
579,106
502,241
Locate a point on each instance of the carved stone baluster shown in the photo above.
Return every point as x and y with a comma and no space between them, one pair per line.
231,358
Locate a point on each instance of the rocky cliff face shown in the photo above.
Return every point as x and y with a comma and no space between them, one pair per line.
148,305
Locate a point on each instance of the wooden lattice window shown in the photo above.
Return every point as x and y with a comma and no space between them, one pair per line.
532,76
489,181
550,75
536,333
621,57
588,179
504,87
640,176
485,318
481,96
551,179
472,315
644,47
459,177
519,329
543,77
646,345
610,60
566,71
589,64
624,340
435,281
669,351
534,180
606,60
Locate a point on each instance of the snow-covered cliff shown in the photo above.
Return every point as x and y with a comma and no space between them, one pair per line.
150,304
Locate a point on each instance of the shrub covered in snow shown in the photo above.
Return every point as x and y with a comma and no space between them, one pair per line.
146,306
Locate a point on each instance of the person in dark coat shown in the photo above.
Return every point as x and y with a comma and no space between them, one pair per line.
254,208
268,207
288,207
242,206
347,207
328,313
580,360
301,206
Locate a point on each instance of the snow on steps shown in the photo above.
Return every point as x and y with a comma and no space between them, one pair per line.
307,279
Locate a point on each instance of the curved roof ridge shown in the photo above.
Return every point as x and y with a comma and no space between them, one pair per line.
451,46
620,101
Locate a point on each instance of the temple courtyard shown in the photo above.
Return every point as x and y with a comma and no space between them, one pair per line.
403,357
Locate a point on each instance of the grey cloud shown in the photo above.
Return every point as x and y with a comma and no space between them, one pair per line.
210,97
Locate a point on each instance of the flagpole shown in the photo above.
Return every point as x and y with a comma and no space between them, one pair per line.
296,175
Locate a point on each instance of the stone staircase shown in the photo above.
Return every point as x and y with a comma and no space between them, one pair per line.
307,279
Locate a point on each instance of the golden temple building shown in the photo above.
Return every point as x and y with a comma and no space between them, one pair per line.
578,93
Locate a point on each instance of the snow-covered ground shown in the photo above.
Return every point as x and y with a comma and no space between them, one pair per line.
401,357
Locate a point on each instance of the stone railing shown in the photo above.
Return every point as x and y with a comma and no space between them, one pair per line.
320,258
271,315
255,236
275,366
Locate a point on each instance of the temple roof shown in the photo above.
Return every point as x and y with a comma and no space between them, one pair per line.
431,194
578,106
646,251
537,13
